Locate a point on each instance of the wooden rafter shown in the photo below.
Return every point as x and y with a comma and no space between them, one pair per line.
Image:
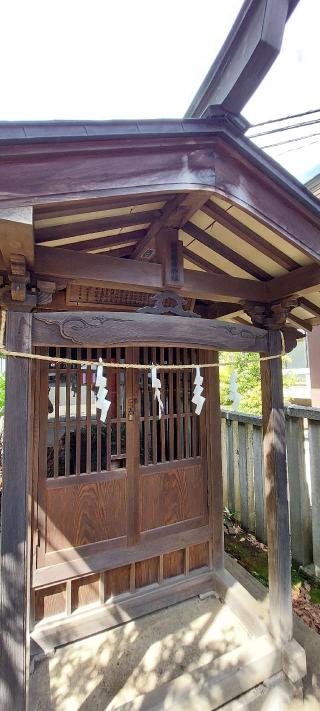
300,322
125,251
200,262
312,308
109,241
77,229
216,246
80,207
175,213
224,218
246,56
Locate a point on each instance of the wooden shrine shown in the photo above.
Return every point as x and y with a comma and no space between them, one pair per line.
144,242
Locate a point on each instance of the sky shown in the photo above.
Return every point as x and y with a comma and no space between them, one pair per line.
127,59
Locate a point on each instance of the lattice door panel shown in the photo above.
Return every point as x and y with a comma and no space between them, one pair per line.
106,489
78,442
177,434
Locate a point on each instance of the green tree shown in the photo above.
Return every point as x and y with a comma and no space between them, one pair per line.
247,368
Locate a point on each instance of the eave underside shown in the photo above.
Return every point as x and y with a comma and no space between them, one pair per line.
220,238
242,222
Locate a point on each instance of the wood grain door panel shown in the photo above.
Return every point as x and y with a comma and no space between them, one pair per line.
172,496
86,513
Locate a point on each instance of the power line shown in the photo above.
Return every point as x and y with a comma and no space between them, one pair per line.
285,118
285,128
297,148
290,140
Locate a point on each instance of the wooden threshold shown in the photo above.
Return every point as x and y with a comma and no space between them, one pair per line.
46,636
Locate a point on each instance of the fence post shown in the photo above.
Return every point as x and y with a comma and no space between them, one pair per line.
299,501
314,445
224,455
236,472
259,485
243,475
250,480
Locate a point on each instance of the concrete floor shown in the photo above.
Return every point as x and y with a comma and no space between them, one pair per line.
106,670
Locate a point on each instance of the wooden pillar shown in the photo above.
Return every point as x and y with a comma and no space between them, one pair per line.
276,489
15,571
214,462
169,253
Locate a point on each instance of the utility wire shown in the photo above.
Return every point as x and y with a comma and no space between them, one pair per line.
285,128
285,118
297,148
290,140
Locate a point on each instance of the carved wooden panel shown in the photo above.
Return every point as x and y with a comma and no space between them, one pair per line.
80,295
85,329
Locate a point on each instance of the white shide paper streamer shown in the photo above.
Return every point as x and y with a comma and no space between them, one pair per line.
156,384
198,398
101,383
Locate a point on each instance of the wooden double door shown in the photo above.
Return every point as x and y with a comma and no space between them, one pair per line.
121,505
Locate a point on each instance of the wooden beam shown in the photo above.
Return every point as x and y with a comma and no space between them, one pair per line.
217,310
277,512
16,233
301,281
246,56
103,224
61,329
224,251
15,543
175,213
112,272
247,235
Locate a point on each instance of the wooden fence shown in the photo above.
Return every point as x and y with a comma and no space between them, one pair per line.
243,478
